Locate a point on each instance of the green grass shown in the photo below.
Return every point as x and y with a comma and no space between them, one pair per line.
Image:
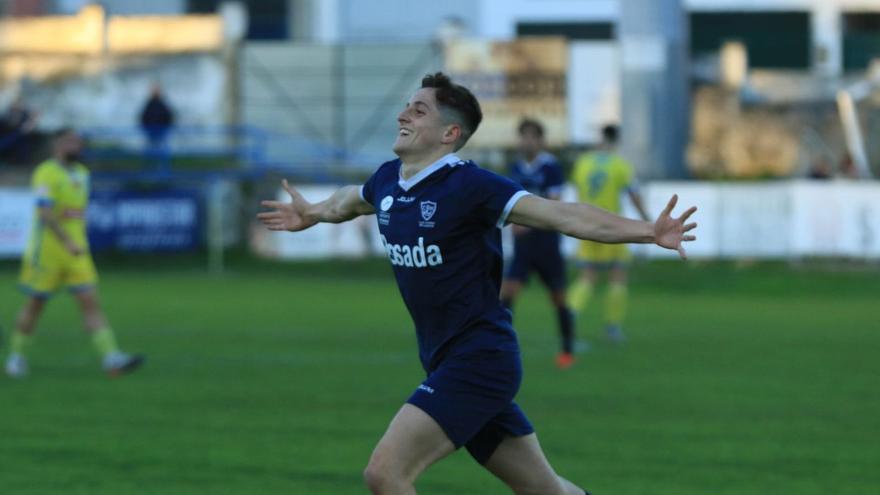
278,378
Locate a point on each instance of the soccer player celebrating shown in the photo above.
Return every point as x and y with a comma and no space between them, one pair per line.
440,219
58,257
539,173
601,177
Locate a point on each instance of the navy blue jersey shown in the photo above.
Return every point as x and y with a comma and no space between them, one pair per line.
543,177
442,233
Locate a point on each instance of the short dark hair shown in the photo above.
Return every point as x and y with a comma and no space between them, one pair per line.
531,124
456,100
610,133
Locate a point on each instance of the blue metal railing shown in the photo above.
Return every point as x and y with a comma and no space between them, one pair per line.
8,140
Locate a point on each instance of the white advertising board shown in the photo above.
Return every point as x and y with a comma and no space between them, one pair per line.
16,216
757,220
346,240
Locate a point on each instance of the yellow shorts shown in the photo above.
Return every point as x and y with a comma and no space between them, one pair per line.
597,253
42,277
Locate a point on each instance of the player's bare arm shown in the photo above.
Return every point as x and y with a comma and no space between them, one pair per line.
48,218
587,222
343,205
522,229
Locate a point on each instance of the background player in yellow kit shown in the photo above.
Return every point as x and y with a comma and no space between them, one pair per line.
601,177
57,257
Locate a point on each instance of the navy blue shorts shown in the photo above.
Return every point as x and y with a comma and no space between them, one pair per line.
471,397
539,253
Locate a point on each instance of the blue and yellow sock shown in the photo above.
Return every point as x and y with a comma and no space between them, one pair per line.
615,304
19,342
579,295
104,341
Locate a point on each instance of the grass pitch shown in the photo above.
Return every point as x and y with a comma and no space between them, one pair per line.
280,378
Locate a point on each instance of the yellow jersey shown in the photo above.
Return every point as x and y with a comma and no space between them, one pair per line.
66,191
601,177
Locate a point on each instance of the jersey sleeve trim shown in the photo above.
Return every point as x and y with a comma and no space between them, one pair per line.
502,220
361,194
43,195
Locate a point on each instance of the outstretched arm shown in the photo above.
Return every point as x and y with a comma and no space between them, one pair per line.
345,204
588,222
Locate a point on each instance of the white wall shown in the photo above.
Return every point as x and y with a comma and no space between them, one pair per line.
16,218
386,21
593,89
325,20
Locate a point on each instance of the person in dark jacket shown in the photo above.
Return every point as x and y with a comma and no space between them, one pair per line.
157,119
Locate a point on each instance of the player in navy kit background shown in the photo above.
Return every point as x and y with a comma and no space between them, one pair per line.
440,220
537,250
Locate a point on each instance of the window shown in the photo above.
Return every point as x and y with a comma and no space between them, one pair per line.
267,19
777,40
570,30
861,39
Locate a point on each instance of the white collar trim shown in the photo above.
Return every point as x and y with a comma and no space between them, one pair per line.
542,158
450,159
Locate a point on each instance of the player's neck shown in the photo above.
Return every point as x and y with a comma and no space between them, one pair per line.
531,157
411,164
63,161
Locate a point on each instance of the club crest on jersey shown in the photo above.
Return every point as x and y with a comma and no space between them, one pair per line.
428,210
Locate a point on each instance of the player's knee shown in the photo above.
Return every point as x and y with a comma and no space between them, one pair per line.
559,299
380,477
27,317
25,324
373,478
89,304
618,275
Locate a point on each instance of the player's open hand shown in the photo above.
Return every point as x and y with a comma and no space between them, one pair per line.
670,232
290,216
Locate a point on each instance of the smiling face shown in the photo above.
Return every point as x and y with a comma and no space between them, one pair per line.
424,130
